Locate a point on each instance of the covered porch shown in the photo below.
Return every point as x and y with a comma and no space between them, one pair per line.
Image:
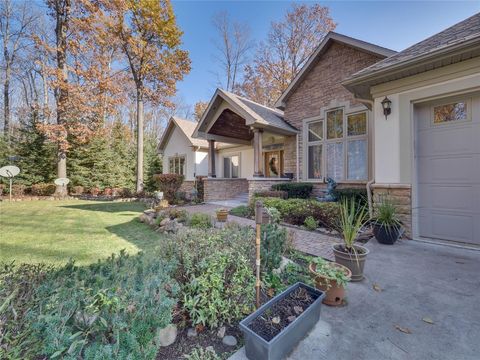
246,146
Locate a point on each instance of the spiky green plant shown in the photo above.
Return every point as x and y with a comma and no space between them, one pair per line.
352,219
386,215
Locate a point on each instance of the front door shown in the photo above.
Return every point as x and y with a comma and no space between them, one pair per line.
448,169
274,163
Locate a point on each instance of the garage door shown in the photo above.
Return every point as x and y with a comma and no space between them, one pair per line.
448,169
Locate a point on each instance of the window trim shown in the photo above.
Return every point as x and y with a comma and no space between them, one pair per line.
175,157
347,111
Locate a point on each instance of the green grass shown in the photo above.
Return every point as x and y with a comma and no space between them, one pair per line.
55,231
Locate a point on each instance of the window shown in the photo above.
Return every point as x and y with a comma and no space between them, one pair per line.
447,113
231,166
342,152
176,165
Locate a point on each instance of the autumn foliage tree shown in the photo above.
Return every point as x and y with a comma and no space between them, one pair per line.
199,109
149,39
289,44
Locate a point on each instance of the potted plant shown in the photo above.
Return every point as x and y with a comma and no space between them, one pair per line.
387,227
331,278
277,327
222,215
349,254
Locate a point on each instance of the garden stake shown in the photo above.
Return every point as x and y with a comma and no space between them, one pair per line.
258,221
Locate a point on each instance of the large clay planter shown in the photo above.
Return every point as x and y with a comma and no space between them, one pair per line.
334,294
355,262
222,215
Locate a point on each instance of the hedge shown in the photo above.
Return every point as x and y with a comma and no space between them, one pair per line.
295,190
295,211
272,193
359,195
169,184
43,189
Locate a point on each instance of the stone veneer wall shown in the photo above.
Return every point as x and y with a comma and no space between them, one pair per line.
262,184
401,196
223,189
322,88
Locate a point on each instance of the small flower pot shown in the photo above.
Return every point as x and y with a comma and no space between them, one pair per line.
222,215
334,293
257,348
354,261
387,235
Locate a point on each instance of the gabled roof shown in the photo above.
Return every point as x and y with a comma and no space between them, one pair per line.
254,114
330,38
187,127
457,43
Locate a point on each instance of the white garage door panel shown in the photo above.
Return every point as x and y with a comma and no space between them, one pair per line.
448,175
449,197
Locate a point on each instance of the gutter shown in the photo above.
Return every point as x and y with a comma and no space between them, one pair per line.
298,159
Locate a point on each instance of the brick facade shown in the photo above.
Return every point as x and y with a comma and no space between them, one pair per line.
223,189
401,196
262,185
321,88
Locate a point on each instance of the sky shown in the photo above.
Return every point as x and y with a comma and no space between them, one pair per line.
392,24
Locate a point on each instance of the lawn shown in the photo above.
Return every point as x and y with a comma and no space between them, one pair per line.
55,231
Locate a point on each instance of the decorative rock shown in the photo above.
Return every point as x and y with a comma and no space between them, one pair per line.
229,340
164,221
283,264
166,336
221,332
192,332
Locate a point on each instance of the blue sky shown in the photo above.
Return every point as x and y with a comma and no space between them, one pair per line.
392,24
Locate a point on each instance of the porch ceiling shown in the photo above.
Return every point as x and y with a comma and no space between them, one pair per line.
230,124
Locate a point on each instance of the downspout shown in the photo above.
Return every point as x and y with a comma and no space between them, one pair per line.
298,159
372,180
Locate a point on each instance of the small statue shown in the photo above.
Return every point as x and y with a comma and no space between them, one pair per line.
329,195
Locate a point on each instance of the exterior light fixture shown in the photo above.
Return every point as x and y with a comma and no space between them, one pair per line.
387,107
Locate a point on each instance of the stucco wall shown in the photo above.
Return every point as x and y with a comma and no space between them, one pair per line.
246,160
178,145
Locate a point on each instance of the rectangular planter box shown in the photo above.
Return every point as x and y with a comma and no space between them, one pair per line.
257,348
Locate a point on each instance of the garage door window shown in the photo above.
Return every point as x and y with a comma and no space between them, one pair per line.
448,113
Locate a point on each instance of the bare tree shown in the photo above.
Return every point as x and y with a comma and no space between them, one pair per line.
233,48
16,19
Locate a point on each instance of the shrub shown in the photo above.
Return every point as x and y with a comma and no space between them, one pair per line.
43,189
94,190
200,221
358,195
78,190
126,192
310,223
274,239
169,184
242,211
217,286
111,309
295,211
295,190
17,189
272,193
107,191
200,353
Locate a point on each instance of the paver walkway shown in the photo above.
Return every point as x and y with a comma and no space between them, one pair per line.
313,243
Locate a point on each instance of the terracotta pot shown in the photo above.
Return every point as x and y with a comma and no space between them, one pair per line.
355,262
222,215
334,293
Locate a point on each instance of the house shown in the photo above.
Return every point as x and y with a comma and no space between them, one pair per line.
276,145
405,124
427,146
182,153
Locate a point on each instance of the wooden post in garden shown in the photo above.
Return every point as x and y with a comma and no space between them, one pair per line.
260,218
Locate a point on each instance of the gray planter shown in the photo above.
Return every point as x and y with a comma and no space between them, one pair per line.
355,262
257,348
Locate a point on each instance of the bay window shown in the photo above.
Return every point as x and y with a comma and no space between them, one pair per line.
340,148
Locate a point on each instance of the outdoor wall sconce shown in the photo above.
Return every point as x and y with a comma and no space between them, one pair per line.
387,107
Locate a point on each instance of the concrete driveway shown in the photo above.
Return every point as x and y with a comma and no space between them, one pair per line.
417,281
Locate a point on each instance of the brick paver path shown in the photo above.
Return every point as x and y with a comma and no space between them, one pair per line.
310,242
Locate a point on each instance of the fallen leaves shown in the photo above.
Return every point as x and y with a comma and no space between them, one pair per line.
276,320
403,329
298,310
377,287
428,320
291,318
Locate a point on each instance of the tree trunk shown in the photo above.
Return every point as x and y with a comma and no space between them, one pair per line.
6,103
139,139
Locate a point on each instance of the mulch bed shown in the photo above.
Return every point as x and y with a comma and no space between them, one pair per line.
184,345
271,322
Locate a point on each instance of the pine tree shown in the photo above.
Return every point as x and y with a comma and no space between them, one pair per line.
153,162
124,156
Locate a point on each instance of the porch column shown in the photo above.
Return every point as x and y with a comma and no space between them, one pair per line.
257,153
211,159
